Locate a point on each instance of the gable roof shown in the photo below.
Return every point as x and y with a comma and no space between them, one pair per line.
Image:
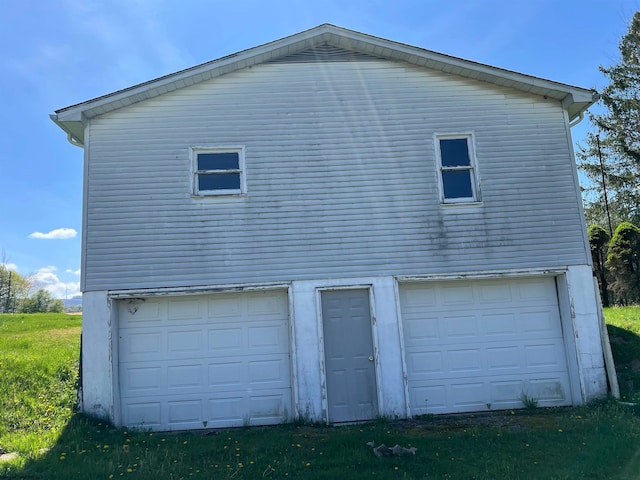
322,42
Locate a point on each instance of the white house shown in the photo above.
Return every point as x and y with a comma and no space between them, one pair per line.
333,226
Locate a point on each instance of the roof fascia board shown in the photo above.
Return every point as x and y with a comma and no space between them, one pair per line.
193,75
339,37
467,68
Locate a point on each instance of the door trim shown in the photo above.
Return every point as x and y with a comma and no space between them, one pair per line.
374,341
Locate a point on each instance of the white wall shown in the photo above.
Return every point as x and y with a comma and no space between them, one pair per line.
577,303
97,359
586,329
308,340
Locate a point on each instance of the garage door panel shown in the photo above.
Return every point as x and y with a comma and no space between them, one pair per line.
267,338
419,330
136,312
499,325
456,295
469,395
504,358
225,340
544,356
143,414
140,345
188,309
183,377
141,379
206,350
460,327
183,413
464,360
481,352
184,341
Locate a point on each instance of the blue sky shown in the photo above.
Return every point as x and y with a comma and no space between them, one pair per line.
55,53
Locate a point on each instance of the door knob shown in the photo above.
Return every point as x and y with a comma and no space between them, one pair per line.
371,359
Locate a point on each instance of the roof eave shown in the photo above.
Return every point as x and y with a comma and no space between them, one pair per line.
337,36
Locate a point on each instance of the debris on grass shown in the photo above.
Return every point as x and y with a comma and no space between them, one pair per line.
397,451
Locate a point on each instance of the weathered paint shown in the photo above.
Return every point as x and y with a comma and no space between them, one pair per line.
586,331
579,322
97,360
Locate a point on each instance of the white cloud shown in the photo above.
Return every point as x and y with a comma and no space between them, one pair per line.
75,272
10,266
57,234
47,279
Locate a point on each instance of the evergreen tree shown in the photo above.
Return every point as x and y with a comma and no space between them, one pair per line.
623,261
611,156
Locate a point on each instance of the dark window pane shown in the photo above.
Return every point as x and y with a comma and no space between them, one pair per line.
219,161
457,184
218,181
454,152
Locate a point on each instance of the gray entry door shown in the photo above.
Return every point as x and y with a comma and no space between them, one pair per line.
348,355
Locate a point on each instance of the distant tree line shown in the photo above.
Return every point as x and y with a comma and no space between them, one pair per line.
16,295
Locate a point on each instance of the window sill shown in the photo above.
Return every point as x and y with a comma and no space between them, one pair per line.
218,196
462,207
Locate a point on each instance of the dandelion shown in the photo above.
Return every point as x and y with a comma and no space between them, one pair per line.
395,468
106,447
307,464
560,430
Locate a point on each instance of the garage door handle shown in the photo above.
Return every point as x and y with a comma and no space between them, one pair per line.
371,359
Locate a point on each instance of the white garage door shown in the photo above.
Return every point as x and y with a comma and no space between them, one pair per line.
483,344
204,361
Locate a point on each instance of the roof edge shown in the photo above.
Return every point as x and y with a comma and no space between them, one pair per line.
574,99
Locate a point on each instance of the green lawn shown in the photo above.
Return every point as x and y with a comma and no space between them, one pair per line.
38,362
623,324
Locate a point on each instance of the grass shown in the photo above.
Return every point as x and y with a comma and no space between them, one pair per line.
37,420
38,375
623,324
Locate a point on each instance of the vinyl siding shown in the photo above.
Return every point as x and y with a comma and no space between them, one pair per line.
341,180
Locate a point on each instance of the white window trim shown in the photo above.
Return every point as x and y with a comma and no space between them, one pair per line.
471,148
239,149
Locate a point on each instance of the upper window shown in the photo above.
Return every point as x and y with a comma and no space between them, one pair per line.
218,171
457,169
